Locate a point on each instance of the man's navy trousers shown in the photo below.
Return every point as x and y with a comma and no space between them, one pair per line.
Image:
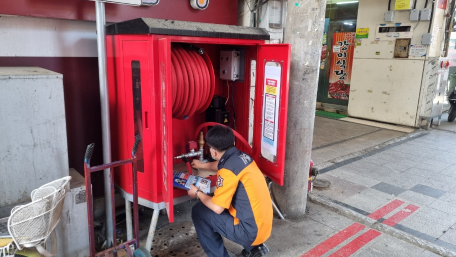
210,227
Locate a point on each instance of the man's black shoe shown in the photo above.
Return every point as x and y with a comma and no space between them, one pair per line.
257,251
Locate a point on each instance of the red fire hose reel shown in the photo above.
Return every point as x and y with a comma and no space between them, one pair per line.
192,81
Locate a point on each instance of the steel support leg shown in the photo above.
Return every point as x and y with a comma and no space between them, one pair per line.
273,203
129,220
153,225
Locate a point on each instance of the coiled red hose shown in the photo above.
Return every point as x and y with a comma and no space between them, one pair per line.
193,82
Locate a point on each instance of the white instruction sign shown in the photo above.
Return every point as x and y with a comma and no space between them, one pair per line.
336,49
418,50
272,81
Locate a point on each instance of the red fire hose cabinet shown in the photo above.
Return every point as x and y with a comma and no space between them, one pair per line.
166,78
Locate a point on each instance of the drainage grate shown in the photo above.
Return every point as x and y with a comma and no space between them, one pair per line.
176,239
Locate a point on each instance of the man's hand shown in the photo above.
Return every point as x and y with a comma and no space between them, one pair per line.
197,164
206,199
192,191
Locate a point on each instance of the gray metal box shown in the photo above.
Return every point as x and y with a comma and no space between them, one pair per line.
414,15
389,16
427,39
230,65
425,15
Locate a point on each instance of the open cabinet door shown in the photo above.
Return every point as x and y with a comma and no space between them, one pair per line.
164,60
270,109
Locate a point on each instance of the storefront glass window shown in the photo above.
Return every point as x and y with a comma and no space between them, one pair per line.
337,51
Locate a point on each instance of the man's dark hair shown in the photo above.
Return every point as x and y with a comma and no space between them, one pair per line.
220,138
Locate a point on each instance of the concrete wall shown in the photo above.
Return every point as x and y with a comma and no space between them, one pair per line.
38,37
69,48
33,142
385,88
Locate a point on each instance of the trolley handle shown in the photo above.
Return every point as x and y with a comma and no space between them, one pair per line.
88,153
135,145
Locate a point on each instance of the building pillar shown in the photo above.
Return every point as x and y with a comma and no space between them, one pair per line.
304,31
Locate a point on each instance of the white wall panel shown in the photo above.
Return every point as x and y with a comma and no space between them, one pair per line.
386,90
41,37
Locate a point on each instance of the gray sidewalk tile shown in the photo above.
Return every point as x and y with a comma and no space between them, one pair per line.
432,145
341,173
298,236
312,208
412,151
353,177
447,245
428,254
449,197
365,172
430,167
448,171
360,166
392,246
415,233
369,200
448,156
416,198
426,226
438,162
377,159
340,188
446,185
389,189
379,173
337,222
404,180
420,172
426,190
449,236
401,165
444,206
396,155
425,212
370,252
364,181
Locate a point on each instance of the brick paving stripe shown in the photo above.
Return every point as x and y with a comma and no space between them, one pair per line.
380,213
356,244
396,218
334,241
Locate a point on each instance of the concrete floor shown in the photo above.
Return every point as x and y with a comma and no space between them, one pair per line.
335,142
369,168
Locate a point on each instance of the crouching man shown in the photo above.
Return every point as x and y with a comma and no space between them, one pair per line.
241,208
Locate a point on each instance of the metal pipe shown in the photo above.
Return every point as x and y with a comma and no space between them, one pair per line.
153,225
193,153
432,17
106,134
129,220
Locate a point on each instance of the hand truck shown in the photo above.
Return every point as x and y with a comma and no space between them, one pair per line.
139,251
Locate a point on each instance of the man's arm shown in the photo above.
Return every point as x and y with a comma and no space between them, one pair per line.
197,164
205,199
